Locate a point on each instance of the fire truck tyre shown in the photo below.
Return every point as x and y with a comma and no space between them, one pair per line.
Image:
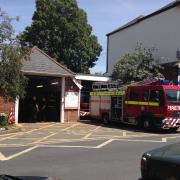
146,124
147,121
105,118
174,129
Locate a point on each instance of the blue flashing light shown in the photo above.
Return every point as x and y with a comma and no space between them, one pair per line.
164,82
177,83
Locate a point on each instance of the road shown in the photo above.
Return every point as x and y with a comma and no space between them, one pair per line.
78,151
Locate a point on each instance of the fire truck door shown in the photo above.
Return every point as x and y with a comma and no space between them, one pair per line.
156,102
132,108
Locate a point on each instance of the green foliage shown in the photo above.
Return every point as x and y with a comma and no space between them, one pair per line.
60,29
137,66
12,81
3,119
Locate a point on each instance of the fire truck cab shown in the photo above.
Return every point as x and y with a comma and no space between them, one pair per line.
146,104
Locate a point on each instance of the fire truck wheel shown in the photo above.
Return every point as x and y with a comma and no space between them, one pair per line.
174,129
146,124
105,118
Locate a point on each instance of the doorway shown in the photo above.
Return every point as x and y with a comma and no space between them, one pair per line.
47,92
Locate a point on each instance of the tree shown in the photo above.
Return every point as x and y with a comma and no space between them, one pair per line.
60,29
12,81
137,66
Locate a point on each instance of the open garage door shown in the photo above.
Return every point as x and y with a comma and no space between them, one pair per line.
42,93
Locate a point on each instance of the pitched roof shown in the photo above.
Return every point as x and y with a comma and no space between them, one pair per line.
141,18
41,64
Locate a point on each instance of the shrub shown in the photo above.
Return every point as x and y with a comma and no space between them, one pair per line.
3,119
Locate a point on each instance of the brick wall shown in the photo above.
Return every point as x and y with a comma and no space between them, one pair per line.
5,107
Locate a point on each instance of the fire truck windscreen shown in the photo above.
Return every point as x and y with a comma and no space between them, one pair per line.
173,96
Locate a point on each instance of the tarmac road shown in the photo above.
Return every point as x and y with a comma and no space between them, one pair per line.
78,151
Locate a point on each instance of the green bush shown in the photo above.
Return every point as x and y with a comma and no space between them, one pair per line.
3,119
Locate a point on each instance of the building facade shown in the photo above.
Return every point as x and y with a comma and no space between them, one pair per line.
159,29
50,82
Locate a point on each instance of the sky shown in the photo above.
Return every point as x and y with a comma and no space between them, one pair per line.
103,15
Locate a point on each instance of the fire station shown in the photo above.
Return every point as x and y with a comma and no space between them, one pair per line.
51,81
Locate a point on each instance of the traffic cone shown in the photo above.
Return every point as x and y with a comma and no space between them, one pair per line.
12,119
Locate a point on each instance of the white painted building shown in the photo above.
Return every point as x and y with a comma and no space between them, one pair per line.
160,29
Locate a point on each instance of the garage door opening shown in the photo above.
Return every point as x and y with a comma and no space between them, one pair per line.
46,94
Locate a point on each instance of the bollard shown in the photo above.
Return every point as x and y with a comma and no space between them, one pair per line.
124,133
164,140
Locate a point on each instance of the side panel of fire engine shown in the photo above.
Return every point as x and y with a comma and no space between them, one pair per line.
144,104
132,108
95,106
99,106
105,106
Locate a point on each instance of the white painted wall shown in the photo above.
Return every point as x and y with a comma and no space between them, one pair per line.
161,31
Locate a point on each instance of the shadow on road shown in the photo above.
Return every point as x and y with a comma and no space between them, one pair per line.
9,177
126,127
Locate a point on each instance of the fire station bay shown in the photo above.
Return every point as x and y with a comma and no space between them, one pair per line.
51,85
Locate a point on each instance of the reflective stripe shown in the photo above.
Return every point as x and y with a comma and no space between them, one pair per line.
132,102
142,103
170,122
153,104
117,93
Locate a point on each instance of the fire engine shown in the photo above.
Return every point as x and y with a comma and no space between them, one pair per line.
149,103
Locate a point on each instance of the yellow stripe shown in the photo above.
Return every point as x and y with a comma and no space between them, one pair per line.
132,102
116,93
153,104
142,103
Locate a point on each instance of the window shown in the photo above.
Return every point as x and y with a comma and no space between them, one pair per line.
173,96
145,95
133,95
156,96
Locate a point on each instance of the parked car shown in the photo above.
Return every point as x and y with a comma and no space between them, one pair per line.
162,163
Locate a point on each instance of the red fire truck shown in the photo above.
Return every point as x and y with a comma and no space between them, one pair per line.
150,103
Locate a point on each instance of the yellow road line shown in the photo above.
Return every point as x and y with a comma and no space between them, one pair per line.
44,138
25,138
14,145
62,146
74,125
22,133
89,134
2,135
44,127
18,154
2,139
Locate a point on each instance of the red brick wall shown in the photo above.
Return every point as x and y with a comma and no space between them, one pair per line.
5,107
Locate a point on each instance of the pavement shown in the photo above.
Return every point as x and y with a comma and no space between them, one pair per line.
81,150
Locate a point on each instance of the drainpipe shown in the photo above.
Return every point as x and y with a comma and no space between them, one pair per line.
16,110
62,99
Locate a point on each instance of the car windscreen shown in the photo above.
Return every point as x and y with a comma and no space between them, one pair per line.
173,96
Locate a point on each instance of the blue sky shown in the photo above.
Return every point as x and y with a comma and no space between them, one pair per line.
103,15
